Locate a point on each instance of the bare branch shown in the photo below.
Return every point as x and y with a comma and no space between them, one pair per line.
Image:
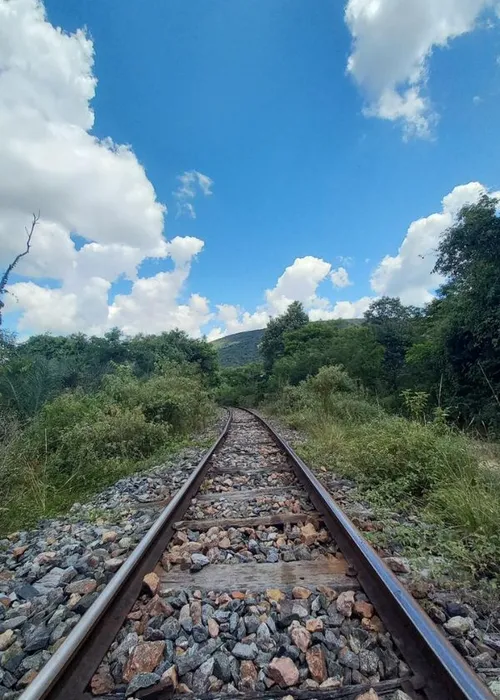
6,274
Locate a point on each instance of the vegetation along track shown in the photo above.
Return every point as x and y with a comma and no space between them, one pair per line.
253,581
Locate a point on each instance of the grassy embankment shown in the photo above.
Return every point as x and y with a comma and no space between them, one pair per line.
79,442
436,490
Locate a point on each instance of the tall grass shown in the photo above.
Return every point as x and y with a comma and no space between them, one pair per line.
79,443
405,460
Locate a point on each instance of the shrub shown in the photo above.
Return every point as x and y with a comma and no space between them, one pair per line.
411,455
79,442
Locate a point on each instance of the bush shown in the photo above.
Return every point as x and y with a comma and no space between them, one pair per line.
78,443
413,457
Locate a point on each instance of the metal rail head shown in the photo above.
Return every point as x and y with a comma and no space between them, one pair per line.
66,676
444,674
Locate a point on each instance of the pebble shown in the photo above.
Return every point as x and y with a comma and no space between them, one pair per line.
458,625
142,680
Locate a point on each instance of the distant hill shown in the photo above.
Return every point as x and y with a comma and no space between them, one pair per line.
239,348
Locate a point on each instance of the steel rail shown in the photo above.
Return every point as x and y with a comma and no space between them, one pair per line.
441,672
68,672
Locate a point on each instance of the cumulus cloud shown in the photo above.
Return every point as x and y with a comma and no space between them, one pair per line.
236,319
408,274
340,277
393,41
191,182
298,282
342,310
81,184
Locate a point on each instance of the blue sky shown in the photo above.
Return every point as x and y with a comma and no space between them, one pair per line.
323,130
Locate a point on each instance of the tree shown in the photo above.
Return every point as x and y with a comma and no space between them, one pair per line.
272,343
321,343
395,329
5,277
466,318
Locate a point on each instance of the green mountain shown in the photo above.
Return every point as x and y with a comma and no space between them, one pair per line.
239,348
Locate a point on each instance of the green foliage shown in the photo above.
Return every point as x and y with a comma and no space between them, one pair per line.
459,349
415,403
395,328
79,440
239,349
329,342
242,386
43,366
404,464
272,344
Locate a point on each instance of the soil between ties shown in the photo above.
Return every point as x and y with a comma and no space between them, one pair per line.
252,595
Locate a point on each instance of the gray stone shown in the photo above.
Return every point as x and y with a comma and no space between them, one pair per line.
302,553
200,633
245,651
455,609
293,652
368,662
234,620
272,555
14,623
171,628
207,612
198,561
221,615
400,695
27,592
121,651
196,655
201,677
348,658
263,636
458,626
38,639
223,666
142,680
241,630
85,603
11,658
292,610
390,662
316,605
54,579
252,623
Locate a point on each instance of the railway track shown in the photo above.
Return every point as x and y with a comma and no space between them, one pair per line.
252,581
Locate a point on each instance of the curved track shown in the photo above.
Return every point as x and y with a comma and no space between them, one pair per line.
256,583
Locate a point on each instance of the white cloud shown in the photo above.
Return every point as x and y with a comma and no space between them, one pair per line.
392,43
215,334
149,308
183,248
191,182
298,282
342,309
340,277
95,188
236,319
408,274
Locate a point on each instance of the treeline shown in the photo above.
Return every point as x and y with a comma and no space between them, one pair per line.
440,361
77,413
